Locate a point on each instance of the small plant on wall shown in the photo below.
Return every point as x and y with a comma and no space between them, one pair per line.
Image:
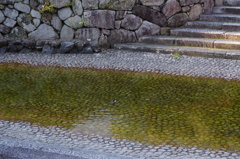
47,10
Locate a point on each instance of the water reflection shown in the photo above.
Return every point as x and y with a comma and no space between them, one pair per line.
144,107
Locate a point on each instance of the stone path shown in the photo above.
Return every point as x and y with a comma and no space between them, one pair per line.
136,61
61,141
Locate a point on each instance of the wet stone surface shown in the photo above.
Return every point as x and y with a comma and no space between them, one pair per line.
92,131
62,137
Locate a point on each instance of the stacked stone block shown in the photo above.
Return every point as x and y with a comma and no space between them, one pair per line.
104,22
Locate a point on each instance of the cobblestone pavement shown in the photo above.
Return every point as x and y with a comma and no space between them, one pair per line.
62,141
136,61
105,146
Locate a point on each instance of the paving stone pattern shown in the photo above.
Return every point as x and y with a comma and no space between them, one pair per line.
75,142
136,61
65,138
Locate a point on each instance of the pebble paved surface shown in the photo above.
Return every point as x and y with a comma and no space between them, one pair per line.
61,141
136,61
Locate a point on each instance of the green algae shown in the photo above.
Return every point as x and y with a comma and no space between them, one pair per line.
145,107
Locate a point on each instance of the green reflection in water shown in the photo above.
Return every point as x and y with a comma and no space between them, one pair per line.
145,107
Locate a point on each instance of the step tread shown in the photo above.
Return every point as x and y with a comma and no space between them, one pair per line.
221,15
200,30
229,7
191,42
183,50
191,39
156,46
214,23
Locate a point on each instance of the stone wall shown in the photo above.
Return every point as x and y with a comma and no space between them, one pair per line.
103,21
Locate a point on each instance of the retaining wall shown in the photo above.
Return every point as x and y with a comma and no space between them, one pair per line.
104,22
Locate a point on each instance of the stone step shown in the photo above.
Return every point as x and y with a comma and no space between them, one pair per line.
205,33
231,2
213,25
226,10
220,17
190,51
204,24
192,42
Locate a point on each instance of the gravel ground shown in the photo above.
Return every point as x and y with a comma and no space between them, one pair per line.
136,61
19,140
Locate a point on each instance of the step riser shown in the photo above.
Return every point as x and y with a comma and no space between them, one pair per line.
231,3
230,28
217,44
223,26
226,11
163,50
219,18
203,25
198,35
227,36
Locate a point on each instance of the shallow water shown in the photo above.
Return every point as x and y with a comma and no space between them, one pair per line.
149,108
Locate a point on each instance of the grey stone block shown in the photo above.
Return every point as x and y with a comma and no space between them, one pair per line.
11,13
43,32
66,47
9,22
22,7
2,17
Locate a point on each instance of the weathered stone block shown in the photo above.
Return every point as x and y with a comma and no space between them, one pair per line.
77,7
11,13
4,29
152,2
148,28
150,15
35,14
56,22
208,6
15,45
9,22
59,3
90,4
74,22
22,7
47,49
131,22
99,18
66,46
84,34
121,36
2,17
36,22
44,31
67,33
116,5
178,20
195,12
170,8
64,13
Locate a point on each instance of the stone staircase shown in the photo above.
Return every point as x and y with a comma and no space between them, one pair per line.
213,35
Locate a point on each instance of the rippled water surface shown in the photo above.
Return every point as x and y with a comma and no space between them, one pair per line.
145,107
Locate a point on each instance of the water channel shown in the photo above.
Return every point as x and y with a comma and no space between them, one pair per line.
146,108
